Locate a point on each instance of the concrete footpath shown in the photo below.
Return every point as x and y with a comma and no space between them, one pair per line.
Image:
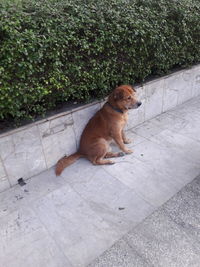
113,215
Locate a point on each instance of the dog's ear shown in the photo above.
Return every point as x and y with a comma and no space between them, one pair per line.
133,88
118,94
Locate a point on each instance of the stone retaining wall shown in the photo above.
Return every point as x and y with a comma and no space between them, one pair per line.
29,150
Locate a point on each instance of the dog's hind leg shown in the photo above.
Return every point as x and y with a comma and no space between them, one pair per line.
114,155
98,152
100,161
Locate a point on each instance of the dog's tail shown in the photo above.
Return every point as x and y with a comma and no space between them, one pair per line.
65,162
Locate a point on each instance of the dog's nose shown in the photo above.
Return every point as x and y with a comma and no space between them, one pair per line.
139,103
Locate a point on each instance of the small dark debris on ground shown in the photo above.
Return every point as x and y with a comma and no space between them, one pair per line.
21,181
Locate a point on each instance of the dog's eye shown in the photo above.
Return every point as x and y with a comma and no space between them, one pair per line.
129,98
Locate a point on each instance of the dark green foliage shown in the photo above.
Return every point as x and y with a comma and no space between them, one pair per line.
52,51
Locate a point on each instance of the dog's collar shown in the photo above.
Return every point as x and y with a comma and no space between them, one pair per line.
116,109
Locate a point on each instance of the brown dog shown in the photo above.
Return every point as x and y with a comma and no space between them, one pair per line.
106,125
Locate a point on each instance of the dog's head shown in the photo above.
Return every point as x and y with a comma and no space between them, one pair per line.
124,98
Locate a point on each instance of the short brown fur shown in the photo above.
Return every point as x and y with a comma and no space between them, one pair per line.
106,125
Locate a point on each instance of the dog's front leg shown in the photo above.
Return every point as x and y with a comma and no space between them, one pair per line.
125,140
119,141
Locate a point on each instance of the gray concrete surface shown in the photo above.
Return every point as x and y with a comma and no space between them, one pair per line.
73,219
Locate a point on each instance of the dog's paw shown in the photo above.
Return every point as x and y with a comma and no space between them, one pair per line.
111,162
121,154
127,141
129,151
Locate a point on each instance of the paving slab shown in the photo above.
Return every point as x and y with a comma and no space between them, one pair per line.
79,231
149,183
117,204
26,242
180,144
173,164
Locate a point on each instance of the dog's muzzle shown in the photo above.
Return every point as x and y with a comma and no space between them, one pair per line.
136,105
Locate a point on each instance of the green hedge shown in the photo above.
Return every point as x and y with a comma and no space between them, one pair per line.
52,51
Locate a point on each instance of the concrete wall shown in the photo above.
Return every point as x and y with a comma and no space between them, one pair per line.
29,150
